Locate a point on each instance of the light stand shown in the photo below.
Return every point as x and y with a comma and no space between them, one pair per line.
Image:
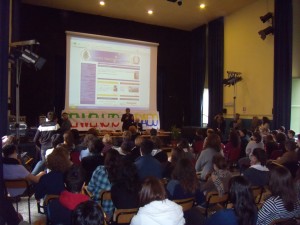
233,78
21,53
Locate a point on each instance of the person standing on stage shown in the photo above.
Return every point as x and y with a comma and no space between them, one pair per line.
127,119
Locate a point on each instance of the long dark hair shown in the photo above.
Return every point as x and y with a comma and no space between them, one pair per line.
235,139
241,196
111,162
281,184
185,173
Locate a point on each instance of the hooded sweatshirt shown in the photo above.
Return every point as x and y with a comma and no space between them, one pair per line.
163,212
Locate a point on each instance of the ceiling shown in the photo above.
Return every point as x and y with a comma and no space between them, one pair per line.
165,13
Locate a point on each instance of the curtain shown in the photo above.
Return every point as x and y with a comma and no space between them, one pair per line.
282,63
198,69
4,34
215,66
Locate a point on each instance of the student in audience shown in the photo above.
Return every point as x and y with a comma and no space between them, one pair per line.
255,142
53,182
134,132
219,179
270,145
290,155
60,209
184,182
198,143
211,148
281,139
88,213
233,147
146,164
257,174
13,169
283,202
90,163
86,152
124,192
103,178
244,136
108,143
136,150
155,208
8,214
244,211
291,135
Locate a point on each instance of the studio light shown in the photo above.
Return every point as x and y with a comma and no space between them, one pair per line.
27,56
263,33
266,17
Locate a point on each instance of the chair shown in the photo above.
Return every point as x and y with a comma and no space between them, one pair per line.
214,202
186,203
257,193
20,183
43,206
104,196
124,216
85,191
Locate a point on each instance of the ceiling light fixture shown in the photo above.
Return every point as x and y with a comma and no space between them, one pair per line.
150,12
102,3
202,6
179,2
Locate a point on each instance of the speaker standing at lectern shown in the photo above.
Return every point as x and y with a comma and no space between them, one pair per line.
127,119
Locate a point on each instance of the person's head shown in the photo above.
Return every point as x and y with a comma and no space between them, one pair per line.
153,132
265,120
127,135
93,131
157,143
50,116
237,116
127,110
88,213
291,134
152,190
126,147
107,139
58,161
65,115
64,151
256,137
132,129
95,146
76,136
87,139
290,145
241,197
281,138
68,138
177,154
243,132
209,131
74,179
213,141
258,156
146,147
138,141
269,138
185,173
219,162
281,184
9,151
281,129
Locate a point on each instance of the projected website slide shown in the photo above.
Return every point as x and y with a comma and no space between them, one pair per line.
109,75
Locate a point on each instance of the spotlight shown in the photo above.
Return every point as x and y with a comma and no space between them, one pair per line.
179,2
266,17
263,33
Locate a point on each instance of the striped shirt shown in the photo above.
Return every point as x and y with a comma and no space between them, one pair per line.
274,209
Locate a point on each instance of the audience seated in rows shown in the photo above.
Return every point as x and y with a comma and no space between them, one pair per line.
88,212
